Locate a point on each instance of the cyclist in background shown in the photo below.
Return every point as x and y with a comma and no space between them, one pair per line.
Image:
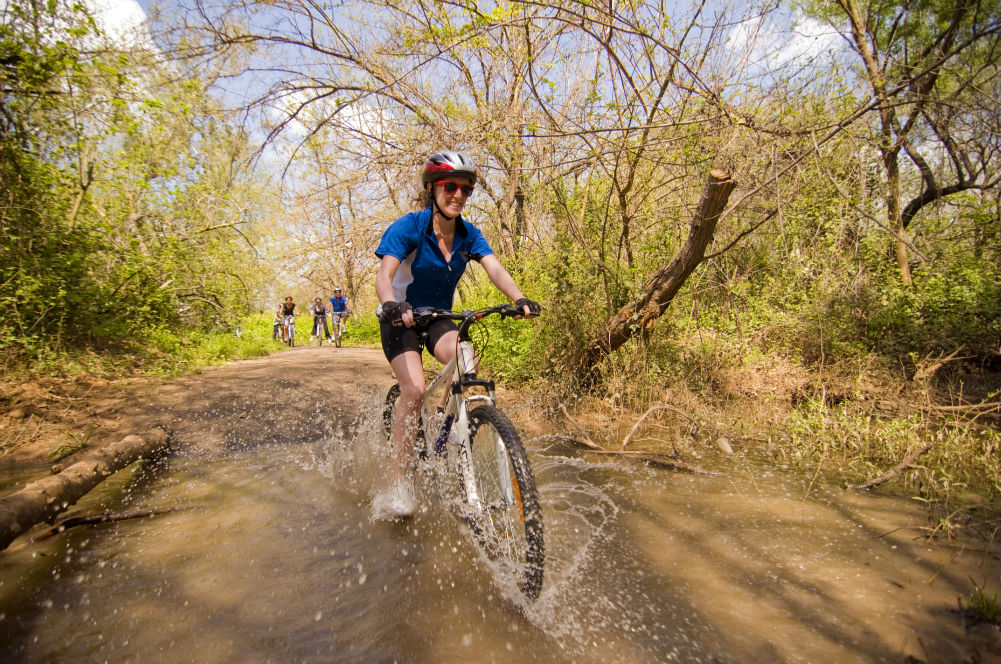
287,308
433,247
339,305
319,316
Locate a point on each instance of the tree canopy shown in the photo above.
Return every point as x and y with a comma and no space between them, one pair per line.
861,138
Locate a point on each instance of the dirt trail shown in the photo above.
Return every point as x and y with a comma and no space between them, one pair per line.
298,392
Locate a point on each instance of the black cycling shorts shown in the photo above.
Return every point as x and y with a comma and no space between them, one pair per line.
397,340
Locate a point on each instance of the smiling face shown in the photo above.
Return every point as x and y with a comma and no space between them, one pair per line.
451,204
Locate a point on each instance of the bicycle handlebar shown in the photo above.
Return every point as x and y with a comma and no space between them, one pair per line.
425,315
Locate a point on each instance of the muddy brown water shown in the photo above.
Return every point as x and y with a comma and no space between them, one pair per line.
275,557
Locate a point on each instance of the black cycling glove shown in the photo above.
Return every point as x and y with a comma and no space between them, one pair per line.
393,311
534,308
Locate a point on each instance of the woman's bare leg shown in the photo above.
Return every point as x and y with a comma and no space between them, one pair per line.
410,374
445,349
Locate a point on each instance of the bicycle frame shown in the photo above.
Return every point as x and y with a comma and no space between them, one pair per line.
452,409
319,324
338,325
483,458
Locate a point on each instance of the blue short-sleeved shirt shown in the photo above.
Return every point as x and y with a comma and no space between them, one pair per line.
339,303
424,279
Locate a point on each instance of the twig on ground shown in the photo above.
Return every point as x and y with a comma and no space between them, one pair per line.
625,441
587,442
66,524
974,409
927,366
896,470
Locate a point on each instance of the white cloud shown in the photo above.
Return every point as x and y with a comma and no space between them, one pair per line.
763,42
123,21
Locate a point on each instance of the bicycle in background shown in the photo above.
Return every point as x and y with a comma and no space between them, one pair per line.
288,330
320,329
338,324
483,454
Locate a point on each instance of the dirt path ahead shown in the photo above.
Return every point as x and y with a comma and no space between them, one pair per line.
297,394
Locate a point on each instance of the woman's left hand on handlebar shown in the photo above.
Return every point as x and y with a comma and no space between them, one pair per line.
530,307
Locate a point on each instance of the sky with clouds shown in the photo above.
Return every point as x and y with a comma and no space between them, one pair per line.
120,19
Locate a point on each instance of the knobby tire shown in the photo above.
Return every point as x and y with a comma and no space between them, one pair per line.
508,533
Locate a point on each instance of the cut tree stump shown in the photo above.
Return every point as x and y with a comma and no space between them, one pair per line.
45,499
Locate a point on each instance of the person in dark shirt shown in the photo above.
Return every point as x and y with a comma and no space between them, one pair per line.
319,312
286,308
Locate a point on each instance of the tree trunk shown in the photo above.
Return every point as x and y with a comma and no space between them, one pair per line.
661,288
890,161
44,499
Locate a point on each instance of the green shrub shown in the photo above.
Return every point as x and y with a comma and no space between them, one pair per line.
363,331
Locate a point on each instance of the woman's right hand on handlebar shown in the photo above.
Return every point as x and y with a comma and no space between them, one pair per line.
397,313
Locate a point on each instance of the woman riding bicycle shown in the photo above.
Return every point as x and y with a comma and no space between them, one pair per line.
286,309
319,317
433,246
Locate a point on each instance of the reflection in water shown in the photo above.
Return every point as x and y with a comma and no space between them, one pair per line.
276,559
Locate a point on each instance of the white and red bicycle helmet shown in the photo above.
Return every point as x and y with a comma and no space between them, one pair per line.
448,162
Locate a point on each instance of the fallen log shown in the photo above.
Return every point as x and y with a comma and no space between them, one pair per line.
44,499
659,460
660,288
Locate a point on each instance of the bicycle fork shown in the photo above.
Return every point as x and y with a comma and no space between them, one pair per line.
466,375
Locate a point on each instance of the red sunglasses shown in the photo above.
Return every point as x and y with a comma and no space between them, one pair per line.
452,187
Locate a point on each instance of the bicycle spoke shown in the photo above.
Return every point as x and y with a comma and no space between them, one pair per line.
508,523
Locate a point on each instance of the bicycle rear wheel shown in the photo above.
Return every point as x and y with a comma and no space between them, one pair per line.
506,516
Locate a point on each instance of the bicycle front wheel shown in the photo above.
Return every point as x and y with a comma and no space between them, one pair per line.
506,514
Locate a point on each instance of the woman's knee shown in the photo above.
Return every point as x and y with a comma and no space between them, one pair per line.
411,394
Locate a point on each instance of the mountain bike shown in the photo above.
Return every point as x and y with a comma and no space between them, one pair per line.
482,453
338,330
288,330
